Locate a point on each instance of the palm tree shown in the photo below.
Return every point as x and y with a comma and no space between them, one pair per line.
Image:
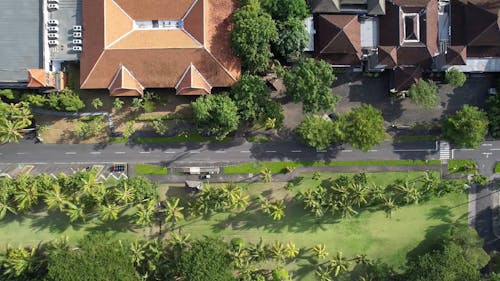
291,251
109,212
26,196
266,174
429,181
345,208
5,207
173,211
277,210
55,199
21,113
125,194
74,211
338,264
277,251
90,185
319,251
236,197
138,251
258,251
408,191
389,206
145,213
316,175
270,123
179,240
361,259
323,273
9,130
19,261
357,194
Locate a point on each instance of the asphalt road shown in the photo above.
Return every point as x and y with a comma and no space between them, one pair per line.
486,155
231,152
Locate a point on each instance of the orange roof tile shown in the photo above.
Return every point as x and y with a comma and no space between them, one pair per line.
192,81
125,84
125,33
37,78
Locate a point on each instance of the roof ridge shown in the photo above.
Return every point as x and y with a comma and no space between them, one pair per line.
338,34
219,63
92,69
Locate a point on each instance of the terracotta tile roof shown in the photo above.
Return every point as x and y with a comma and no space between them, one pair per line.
338,38
124,33
192,82
124,81
418,49
37,78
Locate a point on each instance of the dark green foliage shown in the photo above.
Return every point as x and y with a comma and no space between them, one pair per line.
455,77
293,38
216,115
97,258
206,257
280,274
254,31
467,127
310,83
9,94
273,110
250,94
66,100
363,127
319,132
144,188
281,10
424,94
493,111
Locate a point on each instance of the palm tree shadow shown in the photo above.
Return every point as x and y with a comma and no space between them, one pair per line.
123,224
55,222
442,212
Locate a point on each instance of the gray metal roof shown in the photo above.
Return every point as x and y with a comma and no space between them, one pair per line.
69,14
20,38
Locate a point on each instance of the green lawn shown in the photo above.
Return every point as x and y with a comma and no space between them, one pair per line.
461,166
280,167
497,167
148,169
191,137
415,138
411,228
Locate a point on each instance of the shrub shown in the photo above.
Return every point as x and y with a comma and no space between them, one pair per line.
455,77
35,100
92,127
97,103
160,126
129,129
66,100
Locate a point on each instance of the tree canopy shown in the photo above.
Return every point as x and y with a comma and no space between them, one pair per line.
363,127
455,77
318,132
216,115
493,112
310,83
467,127
424,94
13,117
280,10
254,31
293,38
250,94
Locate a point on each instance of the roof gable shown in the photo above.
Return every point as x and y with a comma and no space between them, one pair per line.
124,81
192,81
339,34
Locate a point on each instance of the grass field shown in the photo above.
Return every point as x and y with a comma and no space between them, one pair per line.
280,167
148,169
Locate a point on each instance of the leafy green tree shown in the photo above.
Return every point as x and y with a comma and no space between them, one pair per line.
254,31
467,127
117,104
160,126
280,274
137,103
205,257
493,111
319,132
281,10
21,263
319,251
455,77
266,174
97,103
66,100
173,212
216,115
250,94
293,38
363,127
273,116
98,257
424,94
9,94
310,83
13,118
144,188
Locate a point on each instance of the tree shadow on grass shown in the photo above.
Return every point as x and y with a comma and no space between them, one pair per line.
122,224
55,222
441,212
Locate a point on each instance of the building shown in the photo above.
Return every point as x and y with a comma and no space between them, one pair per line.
131,45
407,37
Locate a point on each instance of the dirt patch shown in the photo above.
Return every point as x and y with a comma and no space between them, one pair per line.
63,130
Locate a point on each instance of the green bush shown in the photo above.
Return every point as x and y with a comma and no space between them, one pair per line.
90,127
9,94
160,127
35,99
455,77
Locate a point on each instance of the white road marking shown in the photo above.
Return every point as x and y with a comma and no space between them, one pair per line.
194,152
372,150
487,144
169,152
296,151
487,154
270,151
21,153
119,152
95,152
494,149
145,152
245,151
70,153
346,150
220,151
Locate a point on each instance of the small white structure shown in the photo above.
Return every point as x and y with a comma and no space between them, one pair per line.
53,6
53,22
309,23
77,34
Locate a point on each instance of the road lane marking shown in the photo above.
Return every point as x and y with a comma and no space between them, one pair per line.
494,149
194,152
271,151
95,152
487,144
169,152
145,152
372,150
119,152
296,151
487,154
70,153
21,153
245,151
220,151
346,150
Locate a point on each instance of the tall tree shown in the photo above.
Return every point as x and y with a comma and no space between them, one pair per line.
254,31
493,111
424,94
250,94
467,127
293,38
216,115
173,212
310,83
363,127
281,10
318,132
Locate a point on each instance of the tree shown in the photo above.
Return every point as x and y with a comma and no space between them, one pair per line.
316,176
310,83
266,175
216,115
129,129
13,118
408,192
145,213
125,193
455,77
205,257
98,257
493,111
20,263
363,127
9,131
65,100
424,94
273,116
55,198
254,31
117,104
281,10
97,103
338,264
467,127
319,132
173,211
160,126
280,274
319,251
109,212
250,94
293,38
